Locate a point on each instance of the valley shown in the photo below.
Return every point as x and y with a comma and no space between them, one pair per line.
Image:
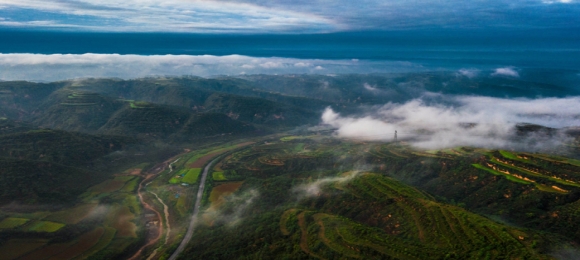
242,168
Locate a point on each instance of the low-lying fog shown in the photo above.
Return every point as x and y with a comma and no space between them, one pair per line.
463,121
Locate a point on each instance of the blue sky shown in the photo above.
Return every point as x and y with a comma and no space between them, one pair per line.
285,16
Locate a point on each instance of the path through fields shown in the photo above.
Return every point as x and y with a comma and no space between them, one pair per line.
193,220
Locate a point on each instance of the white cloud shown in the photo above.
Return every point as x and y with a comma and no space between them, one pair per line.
315,188
470,73
557,1
295,16
40,67
235,207
476,121
369,87
271,64
173,15
302,64
507,71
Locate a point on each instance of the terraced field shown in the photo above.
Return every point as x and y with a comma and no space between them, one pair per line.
9,223
347,200
413,227
544,173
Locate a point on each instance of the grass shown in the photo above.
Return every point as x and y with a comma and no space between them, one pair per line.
219,192
72,215
299,147
9,223
78,104
139,104
494,172
508,155
191,176
109,185
294,137
132,202
525,171
183,204
289,138
289,215
218,176
45,226
559,159
131,185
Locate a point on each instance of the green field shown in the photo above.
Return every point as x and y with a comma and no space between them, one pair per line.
192,176
130,185
219,176
45,226
494,172
8,223
72,215
177,176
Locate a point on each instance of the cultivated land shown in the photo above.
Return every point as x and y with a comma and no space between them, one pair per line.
324,198
117,172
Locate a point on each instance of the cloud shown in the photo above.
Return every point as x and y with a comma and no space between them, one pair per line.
40,67
280,16
507,71
470,73
235,206
315,188
271,64
369,87
557,1
302,64
163,16
472,121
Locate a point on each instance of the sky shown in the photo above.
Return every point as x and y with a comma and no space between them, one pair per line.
284,16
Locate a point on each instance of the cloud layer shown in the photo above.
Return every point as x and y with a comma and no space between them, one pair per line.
506,72
39,67
283,15
156,15
469,121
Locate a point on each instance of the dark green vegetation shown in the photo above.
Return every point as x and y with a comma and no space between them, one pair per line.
321,198
73,155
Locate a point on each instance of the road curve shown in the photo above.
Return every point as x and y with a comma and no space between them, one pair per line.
190,229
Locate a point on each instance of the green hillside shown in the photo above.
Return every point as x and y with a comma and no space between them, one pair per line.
36,182
59,146
307,197
73,110
111,168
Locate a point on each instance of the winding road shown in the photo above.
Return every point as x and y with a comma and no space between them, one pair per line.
154,172
190,229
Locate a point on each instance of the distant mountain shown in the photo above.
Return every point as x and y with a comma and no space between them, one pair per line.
401,87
